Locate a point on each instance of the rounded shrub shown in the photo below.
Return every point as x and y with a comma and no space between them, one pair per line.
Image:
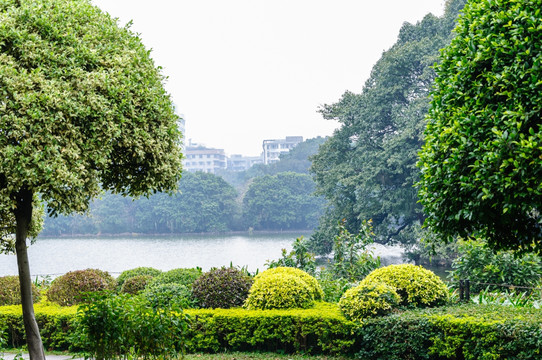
313,284
184,277
366,300
135,284
415,285
222,288
139,271
10,291
168,295
279,291
69,289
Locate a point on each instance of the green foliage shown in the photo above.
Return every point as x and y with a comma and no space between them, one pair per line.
486,269
332,286
169,294
279,291
299,257
125,275
463,332
282,201
367,300
222,288
510,298
322,329
366,170
114,326
10,291
415,285
351,258
135,284
482,159
182,276
70,288
311,282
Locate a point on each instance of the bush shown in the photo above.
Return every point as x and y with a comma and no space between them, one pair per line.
10,291
332,287
222,288
311,282
482,266
184,277
127,274
167,295
368,300
135,284
415,285
69,288
115,326
279,291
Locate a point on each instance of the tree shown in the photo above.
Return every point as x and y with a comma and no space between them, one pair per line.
481,163
82,108
367,169
282,201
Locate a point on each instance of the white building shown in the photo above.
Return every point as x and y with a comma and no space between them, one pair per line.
201,158
272,149
238,162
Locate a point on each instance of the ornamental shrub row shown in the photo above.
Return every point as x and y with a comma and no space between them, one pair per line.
453,332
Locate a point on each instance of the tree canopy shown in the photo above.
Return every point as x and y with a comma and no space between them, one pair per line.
367,169
82,108
482,159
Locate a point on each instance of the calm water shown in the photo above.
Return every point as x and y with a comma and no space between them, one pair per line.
56,256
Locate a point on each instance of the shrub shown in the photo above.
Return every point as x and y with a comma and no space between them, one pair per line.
184,277
332,287
135,284
127,274
69,288
482,266
367,300
222,288
311,282
279,291
415,285
167,295
10,291
115,326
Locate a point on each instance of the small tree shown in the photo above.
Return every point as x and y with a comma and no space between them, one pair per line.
481,163
82,108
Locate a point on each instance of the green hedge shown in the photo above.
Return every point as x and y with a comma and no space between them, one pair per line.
322,329
453,332
471,331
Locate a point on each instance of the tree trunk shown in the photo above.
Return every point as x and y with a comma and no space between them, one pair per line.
23,216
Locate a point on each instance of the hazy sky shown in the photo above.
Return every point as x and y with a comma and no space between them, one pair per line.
242,71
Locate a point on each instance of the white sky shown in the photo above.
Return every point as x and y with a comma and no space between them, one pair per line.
242,71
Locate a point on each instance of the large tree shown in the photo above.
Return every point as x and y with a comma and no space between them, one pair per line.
482,159
82,108
367,169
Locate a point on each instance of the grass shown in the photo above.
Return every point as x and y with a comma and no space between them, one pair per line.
258,356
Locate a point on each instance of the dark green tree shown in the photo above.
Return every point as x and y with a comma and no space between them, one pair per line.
282,201
367,169
82,108
482,159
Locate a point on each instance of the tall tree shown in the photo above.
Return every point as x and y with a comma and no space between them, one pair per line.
82,107
482,161
367,169
280,202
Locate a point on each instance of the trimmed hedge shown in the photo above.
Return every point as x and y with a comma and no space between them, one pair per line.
454,332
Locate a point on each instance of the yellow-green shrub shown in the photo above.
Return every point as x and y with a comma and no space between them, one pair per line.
313,284
279,291
366,300
415,285
10,291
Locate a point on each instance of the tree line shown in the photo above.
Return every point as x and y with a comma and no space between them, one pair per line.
273,197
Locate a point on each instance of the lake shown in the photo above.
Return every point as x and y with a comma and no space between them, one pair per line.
56,256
